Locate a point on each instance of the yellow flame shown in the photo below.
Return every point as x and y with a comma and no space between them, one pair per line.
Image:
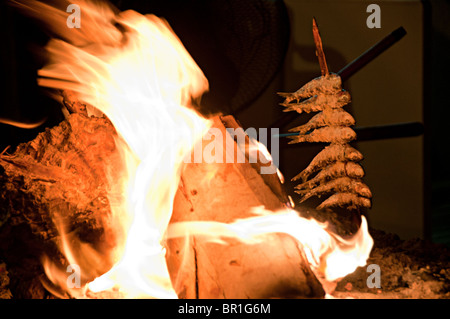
145,92
144,81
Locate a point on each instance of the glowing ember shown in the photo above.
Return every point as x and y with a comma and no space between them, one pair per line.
136,71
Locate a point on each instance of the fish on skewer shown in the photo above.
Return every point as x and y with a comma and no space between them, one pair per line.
336,168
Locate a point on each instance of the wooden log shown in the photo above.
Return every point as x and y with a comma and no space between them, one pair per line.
61,172
60,175
275,268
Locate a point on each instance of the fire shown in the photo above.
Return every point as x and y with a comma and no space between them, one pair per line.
328,254
135,70
144,83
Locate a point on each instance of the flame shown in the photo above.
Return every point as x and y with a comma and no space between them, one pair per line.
135,70
143,82
260,151
328,254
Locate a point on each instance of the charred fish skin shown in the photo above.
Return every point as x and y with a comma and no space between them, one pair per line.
341,184
330,154
319,102
349,200
335,117
336,168
326,134
329,84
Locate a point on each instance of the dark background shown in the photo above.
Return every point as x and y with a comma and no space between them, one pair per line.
197,23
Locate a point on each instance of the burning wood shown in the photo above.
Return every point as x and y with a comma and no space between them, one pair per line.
201,268
62,172
61,176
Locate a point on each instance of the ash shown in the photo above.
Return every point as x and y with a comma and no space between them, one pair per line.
412,269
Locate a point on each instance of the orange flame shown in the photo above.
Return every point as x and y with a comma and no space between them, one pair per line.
135,70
